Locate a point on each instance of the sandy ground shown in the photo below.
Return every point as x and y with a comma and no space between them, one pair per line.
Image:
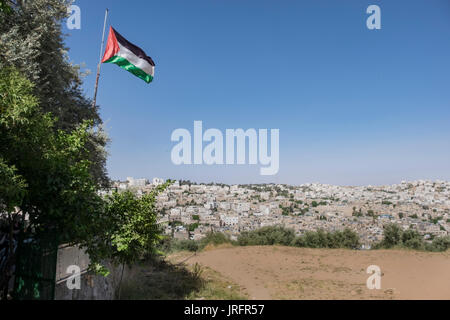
296,273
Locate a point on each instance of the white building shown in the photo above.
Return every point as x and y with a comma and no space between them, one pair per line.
136,182
230,220
265,210
158,181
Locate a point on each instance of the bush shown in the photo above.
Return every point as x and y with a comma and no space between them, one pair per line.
333,240
416,244
395,237
185,245
169,245
439,244
350,239
347,239
215,238
267,236
280,236
193,226
392,236
314,239
412,239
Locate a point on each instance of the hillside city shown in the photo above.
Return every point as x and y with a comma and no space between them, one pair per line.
189,210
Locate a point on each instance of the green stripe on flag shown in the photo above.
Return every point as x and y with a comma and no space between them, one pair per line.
125,64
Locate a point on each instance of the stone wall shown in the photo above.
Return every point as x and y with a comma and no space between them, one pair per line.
93,287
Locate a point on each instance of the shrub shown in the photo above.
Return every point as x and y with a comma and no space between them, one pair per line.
392,236
214,238
412,239
193,226
439,244
350,239
416,244
267,236
169,245
333,240
312,240
185,245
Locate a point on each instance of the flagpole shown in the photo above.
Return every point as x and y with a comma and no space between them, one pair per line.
94,102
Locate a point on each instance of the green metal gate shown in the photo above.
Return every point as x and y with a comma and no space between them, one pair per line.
35,274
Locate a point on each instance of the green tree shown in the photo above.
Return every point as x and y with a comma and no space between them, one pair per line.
192,227
32,41
440,244
412,239
12,188
214,238
135,231
267,236
350,239
12,192
5,7
45,172
129,230
392,236
321,239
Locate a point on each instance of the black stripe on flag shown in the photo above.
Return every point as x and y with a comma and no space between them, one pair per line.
133,48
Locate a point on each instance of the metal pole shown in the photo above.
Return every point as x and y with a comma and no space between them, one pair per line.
94,102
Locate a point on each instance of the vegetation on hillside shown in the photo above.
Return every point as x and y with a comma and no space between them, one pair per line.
395,237
278,235
268,236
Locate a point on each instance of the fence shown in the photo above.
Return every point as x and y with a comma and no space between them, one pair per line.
41,272
36,267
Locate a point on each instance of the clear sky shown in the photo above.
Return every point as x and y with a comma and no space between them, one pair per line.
354,106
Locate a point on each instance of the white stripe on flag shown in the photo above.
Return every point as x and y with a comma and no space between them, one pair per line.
135,60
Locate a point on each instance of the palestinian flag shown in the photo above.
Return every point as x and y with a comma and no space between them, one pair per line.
128,56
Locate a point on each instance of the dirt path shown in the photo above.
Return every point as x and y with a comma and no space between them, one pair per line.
297,273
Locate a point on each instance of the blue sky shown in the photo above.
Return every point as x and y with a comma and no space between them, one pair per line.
354,106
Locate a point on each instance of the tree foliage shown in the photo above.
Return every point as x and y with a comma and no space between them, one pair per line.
45,173
5,7
267,236
131,227
48,166
31,40
169,245
394,236
318,239
12,188
333,240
